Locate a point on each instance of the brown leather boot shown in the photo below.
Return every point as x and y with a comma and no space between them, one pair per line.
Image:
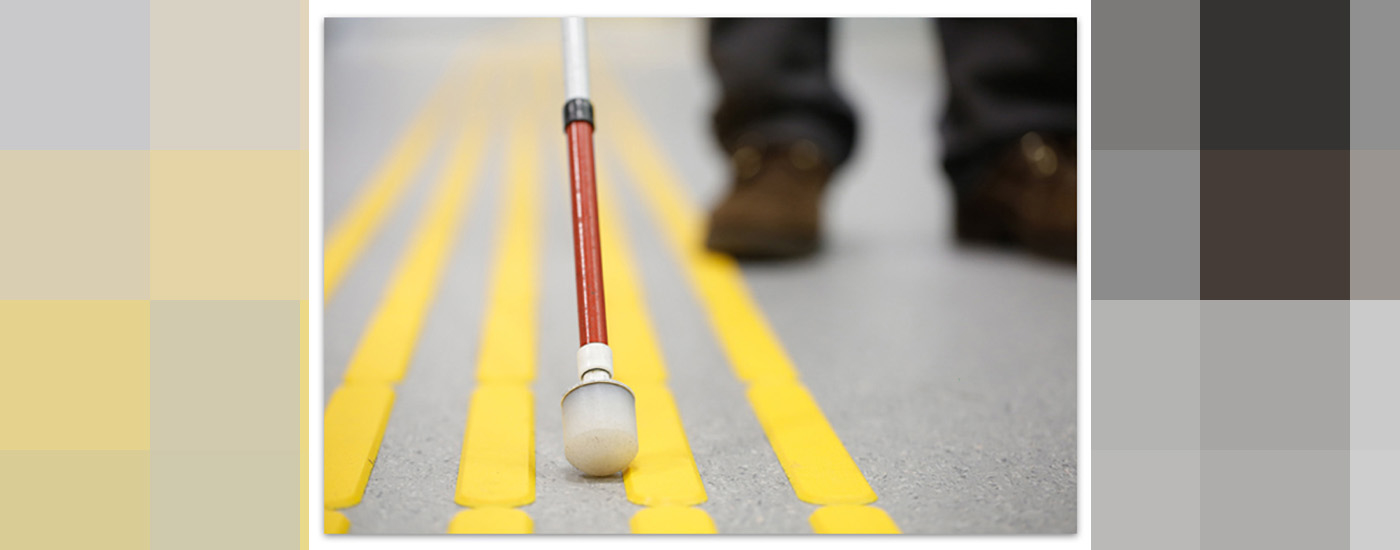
773,210
1028,199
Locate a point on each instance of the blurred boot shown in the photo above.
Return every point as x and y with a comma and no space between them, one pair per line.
1028,199
773,209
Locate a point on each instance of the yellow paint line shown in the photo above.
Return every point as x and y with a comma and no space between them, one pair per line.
672,520
498,450
852,520
752,347
336,523
508,342
355,420
383,353
350,234
491,521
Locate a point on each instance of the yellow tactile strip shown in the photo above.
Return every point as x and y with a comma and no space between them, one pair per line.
358,411
497,467
664,471
816,463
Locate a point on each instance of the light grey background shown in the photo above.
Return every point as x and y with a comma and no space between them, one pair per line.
1375,480
90,87
1375,375
1147,365
1282,500
1147,49
1147,500
1274,375
1147,219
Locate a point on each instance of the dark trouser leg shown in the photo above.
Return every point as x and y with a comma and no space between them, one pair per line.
777,88
1006,77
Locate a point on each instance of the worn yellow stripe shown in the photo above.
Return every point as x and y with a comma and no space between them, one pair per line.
348,237
336,523
753,349
355,420
498,450
383,353
672,520
852,520
491,521
508,342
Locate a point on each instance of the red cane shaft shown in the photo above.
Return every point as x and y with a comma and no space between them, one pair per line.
588,256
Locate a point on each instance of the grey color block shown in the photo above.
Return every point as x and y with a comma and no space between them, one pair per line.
1147,225
1147,75
77,75
1375,374
250,499
1281,500
1374,483
1274,375
1375,260
225,376
1375,122
1147,374
1147,500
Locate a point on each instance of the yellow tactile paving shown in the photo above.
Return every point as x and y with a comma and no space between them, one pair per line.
336,523
498,451
383,354
348,237
664,471
491,521
801,437
356,416
508,341
497,466
852,520
672,520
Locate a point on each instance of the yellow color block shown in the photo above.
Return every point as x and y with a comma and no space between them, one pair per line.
74,225
75,499
852,520
816,463
356,417
672,520
75,375
664,470
336,523
498,451
228,225
491,521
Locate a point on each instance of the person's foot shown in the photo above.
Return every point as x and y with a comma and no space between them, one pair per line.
1027,199
773,209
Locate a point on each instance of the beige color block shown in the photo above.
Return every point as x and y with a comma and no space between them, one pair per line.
225,376
74,375
217,501
226,75
228,225
75,499
73,225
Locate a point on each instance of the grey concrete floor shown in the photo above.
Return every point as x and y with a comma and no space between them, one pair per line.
948,372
